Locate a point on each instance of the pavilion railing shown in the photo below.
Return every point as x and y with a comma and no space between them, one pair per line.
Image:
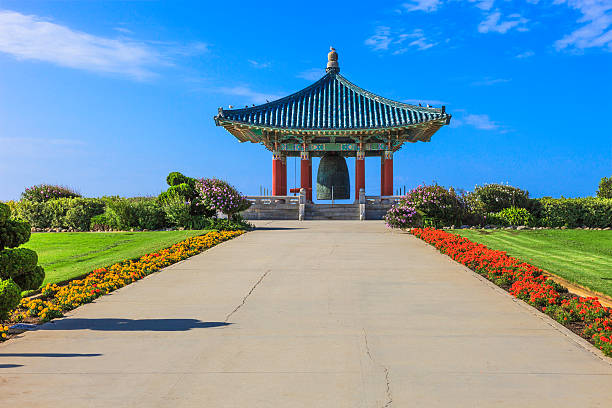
273,200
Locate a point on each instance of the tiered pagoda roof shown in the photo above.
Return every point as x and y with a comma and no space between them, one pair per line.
333,109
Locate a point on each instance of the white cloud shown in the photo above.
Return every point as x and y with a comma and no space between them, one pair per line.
385,39
493,23
483,4
488,81
480,121
312,74
28,37
381,39
596,32
525,54
247,94
427,6
259,65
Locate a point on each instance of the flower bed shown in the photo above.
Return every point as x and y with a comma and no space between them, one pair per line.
55,300
585,316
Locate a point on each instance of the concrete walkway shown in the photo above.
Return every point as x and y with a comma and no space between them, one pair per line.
312,314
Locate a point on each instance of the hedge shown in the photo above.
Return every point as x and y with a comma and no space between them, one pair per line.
573,212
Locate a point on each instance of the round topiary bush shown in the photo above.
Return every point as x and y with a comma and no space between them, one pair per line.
10,295
46,192
512,216
18,269
175,178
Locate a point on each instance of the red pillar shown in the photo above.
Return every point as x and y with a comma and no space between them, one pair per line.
388,172
283,188
277,169
382,174
306,175
359,174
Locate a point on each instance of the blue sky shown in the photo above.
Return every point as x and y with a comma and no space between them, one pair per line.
109,96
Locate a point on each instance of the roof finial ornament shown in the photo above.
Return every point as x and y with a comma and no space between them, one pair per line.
332,61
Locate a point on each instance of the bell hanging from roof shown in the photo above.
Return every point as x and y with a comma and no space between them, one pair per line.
333,173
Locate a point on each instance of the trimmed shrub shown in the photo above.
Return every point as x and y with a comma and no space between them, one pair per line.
14,233
31,280
18,269
10,295
175,178
46,192
436,204
605,188
219,196
511,216
575,212
492,198
15,262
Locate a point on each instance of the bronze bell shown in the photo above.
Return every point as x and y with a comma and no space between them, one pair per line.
333,172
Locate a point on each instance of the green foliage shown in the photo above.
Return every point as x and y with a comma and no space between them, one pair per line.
127,213
229,225
46,192
17,261
605,187
64,213
492,198
176,209
511,216
5,212
10,295
575,212
31,280
436,204
14,233
175,178
100,222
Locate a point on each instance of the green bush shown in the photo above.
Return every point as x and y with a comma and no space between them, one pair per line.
100,222
18,269
228,225
575,212
46,192
492,198
138,212
511,216
176,209
81,211
10,295
31,280
605,188
15,262
14,233
175,178
60,213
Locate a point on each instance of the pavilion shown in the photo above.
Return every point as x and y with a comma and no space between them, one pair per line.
332,118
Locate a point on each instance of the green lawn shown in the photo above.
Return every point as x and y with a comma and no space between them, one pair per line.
580,256
69,254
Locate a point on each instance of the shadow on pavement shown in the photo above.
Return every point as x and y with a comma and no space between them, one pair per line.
49,355
10,365
131,324
277,228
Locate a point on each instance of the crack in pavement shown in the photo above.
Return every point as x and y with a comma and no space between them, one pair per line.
261,278
385,369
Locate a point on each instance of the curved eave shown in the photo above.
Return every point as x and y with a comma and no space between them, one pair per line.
246,132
